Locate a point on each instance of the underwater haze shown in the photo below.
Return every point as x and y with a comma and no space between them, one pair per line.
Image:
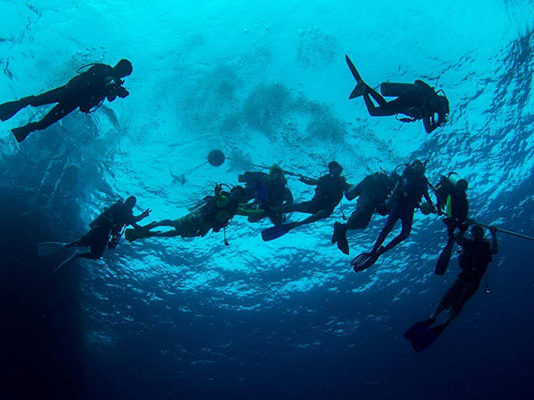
266,82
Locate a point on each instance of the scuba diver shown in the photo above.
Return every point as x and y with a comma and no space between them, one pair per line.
474,259
372,193
406,197
417,100
329,190
106,230
270,193
87,91
451,198
213,213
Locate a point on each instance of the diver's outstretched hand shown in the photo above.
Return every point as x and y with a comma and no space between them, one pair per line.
146,213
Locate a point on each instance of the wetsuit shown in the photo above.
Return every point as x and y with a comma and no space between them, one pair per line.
214,214
416,100
328,193
109,222
86,91
269,195
473,260
407,196
373,191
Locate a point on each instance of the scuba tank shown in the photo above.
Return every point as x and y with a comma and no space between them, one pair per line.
457,182
456,204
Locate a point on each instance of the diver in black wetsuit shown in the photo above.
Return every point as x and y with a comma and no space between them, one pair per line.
406,197
107,228
452,198
329,190
416,100
474,259
86,91
270,193
372,193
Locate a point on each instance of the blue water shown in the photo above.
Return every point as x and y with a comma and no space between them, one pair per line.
265,82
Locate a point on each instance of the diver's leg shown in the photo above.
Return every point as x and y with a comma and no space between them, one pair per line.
385,108
155,224
406,219
86,240
376,96
439,309
7,110
58,112
55,114
361,217
304,207
393,217
275,217
50,97
321,214
97,240
255,218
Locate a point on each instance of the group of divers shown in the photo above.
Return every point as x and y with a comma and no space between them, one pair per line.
267,195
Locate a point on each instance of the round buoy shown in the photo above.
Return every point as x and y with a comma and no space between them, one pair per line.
216,158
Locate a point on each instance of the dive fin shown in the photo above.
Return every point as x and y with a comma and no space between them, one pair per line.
361,87
340,237
417,328
22,132
48,248
67,260
444,258
358,91
274,232
363,261
426,337
7,110
143,233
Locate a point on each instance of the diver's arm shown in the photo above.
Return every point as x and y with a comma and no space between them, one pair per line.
141,216
116,90
309,181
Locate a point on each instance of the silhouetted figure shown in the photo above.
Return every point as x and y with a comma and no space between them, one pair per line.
406,197
416,100
372,193
270,193
86,91
473,260
329,190
452,199
107,228
212,213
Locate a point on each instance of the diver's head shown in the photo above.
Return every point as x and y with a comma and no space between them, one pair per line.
417,167
130,202
461,185
477,231
334,168
276,174
123,68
